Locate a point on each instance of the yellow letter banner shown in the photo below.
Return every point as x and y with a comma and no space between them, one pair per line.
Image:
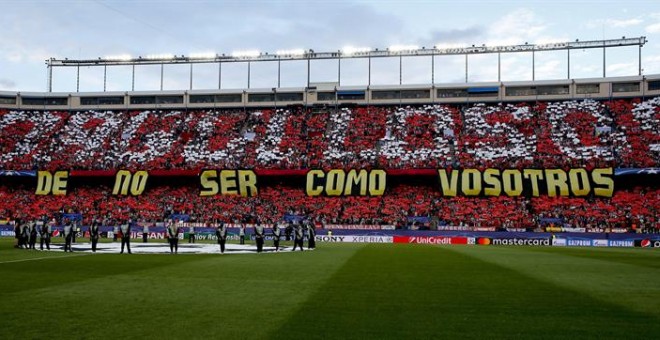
526,182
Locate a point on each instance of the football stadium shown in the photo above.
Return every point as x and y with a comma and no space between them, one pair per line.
471,209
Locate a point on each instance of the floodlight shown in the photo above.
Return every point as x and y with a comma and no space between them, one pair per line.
202,55
245,54
349,50
442,46
161,56
121,57
294,52
401,48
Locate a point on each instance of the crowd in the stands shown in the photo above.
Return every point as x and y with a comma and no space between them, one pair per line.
628,209
622,133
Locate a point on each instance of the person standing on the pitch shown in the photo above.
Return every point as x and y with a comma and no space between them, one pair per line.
115,233
311,234
277,233
173,237
44,234
259,237
241,233
37,226
17,233
191,234
33,235
75,231
145,233
288,230
68,235
221,233
298,237
94,234
126,236
25,235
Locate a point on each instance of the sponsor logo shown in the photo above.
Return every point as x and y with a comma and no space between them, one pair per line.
330,238
521,241
370,239
559,242
6,233
579,243
600,243
431,240
422,239
355,239
622,243
484,241
647,243
151,236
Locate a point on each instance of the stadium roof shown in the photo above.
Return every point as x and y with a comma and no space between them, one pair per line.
368,53
306,54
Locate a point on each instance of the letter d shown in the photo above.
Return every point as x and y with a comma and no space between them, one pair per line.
44,183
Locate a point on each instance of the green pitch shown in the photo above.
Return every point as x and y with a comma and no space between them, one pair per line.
338,291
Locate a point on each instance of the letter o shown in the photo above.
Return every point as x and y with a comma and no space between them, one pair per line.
334,185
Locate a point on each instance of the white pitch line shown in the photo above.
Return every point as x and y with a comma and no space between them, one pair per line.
41,258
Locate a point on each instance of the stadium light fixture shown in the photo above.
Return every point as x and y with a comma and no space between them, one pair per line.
443,46
202,55
350,50
294,52
549,41
161,56
120,57
245,54
402,48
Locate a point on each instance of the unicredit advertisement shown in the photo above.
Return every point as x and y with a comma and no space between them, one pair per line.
433,240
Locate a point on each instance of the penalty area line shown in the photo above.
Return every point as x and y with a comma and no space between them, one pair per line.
42,258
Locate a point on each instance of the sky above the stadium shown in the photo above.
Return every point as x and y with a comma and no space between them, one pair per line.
33,31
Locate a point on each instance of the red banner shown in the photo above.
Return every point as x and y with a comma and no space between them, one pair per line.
433,240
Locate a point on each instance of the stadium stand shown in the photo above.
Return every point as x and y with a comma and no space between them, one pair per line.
586,133
640,207
589,134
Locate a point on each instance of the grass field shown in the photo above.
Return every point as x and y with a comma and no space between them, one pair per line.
337,291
